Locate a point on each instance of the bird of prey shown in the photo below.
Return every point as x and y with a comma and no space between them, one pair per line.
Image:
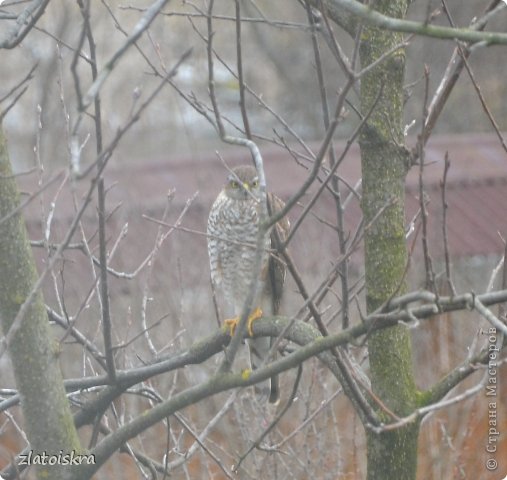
233,226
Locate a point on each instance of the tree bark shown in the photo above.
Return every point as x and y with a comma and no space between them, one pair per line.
34,354
384,162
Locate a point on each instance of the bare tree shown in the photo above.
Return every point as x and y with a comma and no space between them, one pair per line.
346,339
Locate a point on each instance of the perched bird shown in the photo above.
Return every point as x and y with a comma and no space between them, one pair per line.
233,226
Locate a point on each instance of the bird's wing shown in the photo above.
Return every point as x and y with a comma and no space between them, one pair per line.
277,267
213,245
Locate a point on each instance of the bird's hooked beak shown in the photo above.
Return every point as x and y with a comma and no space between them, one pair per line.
247,192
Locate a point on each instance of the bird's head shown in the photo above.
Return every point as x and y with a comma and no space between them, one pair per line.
243,183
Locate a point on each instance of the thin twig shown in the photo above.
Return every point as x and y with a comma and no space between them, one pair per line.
445,206
428,264
24,23
141,26
451,76
487,111
101,207
32,196
239,60
333,162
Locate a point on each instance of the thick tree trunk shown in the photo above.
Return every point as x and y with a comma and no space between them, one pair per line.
391,455
33,352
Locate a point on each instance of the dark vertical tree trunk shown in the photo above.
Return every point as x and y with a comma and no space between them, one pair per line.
391,455
33,352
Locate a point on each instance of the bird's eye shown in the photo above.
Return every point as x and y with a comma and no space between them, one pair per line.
234,184
255,183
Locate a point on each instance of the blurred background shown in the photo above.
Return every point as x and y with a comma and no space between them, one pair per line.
278,63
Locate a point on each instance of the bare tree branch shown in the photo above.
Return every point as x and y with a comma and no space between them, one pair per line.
376,19
24,23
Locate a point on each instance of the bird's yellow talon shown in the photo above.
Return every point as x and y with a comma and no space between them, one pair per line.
231,324
255,315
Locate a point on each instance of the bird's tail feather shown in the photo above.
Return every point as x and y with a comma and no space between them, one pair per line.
274,393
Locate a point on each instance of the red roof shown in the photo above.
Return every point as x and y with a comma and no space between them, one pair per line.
476,190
